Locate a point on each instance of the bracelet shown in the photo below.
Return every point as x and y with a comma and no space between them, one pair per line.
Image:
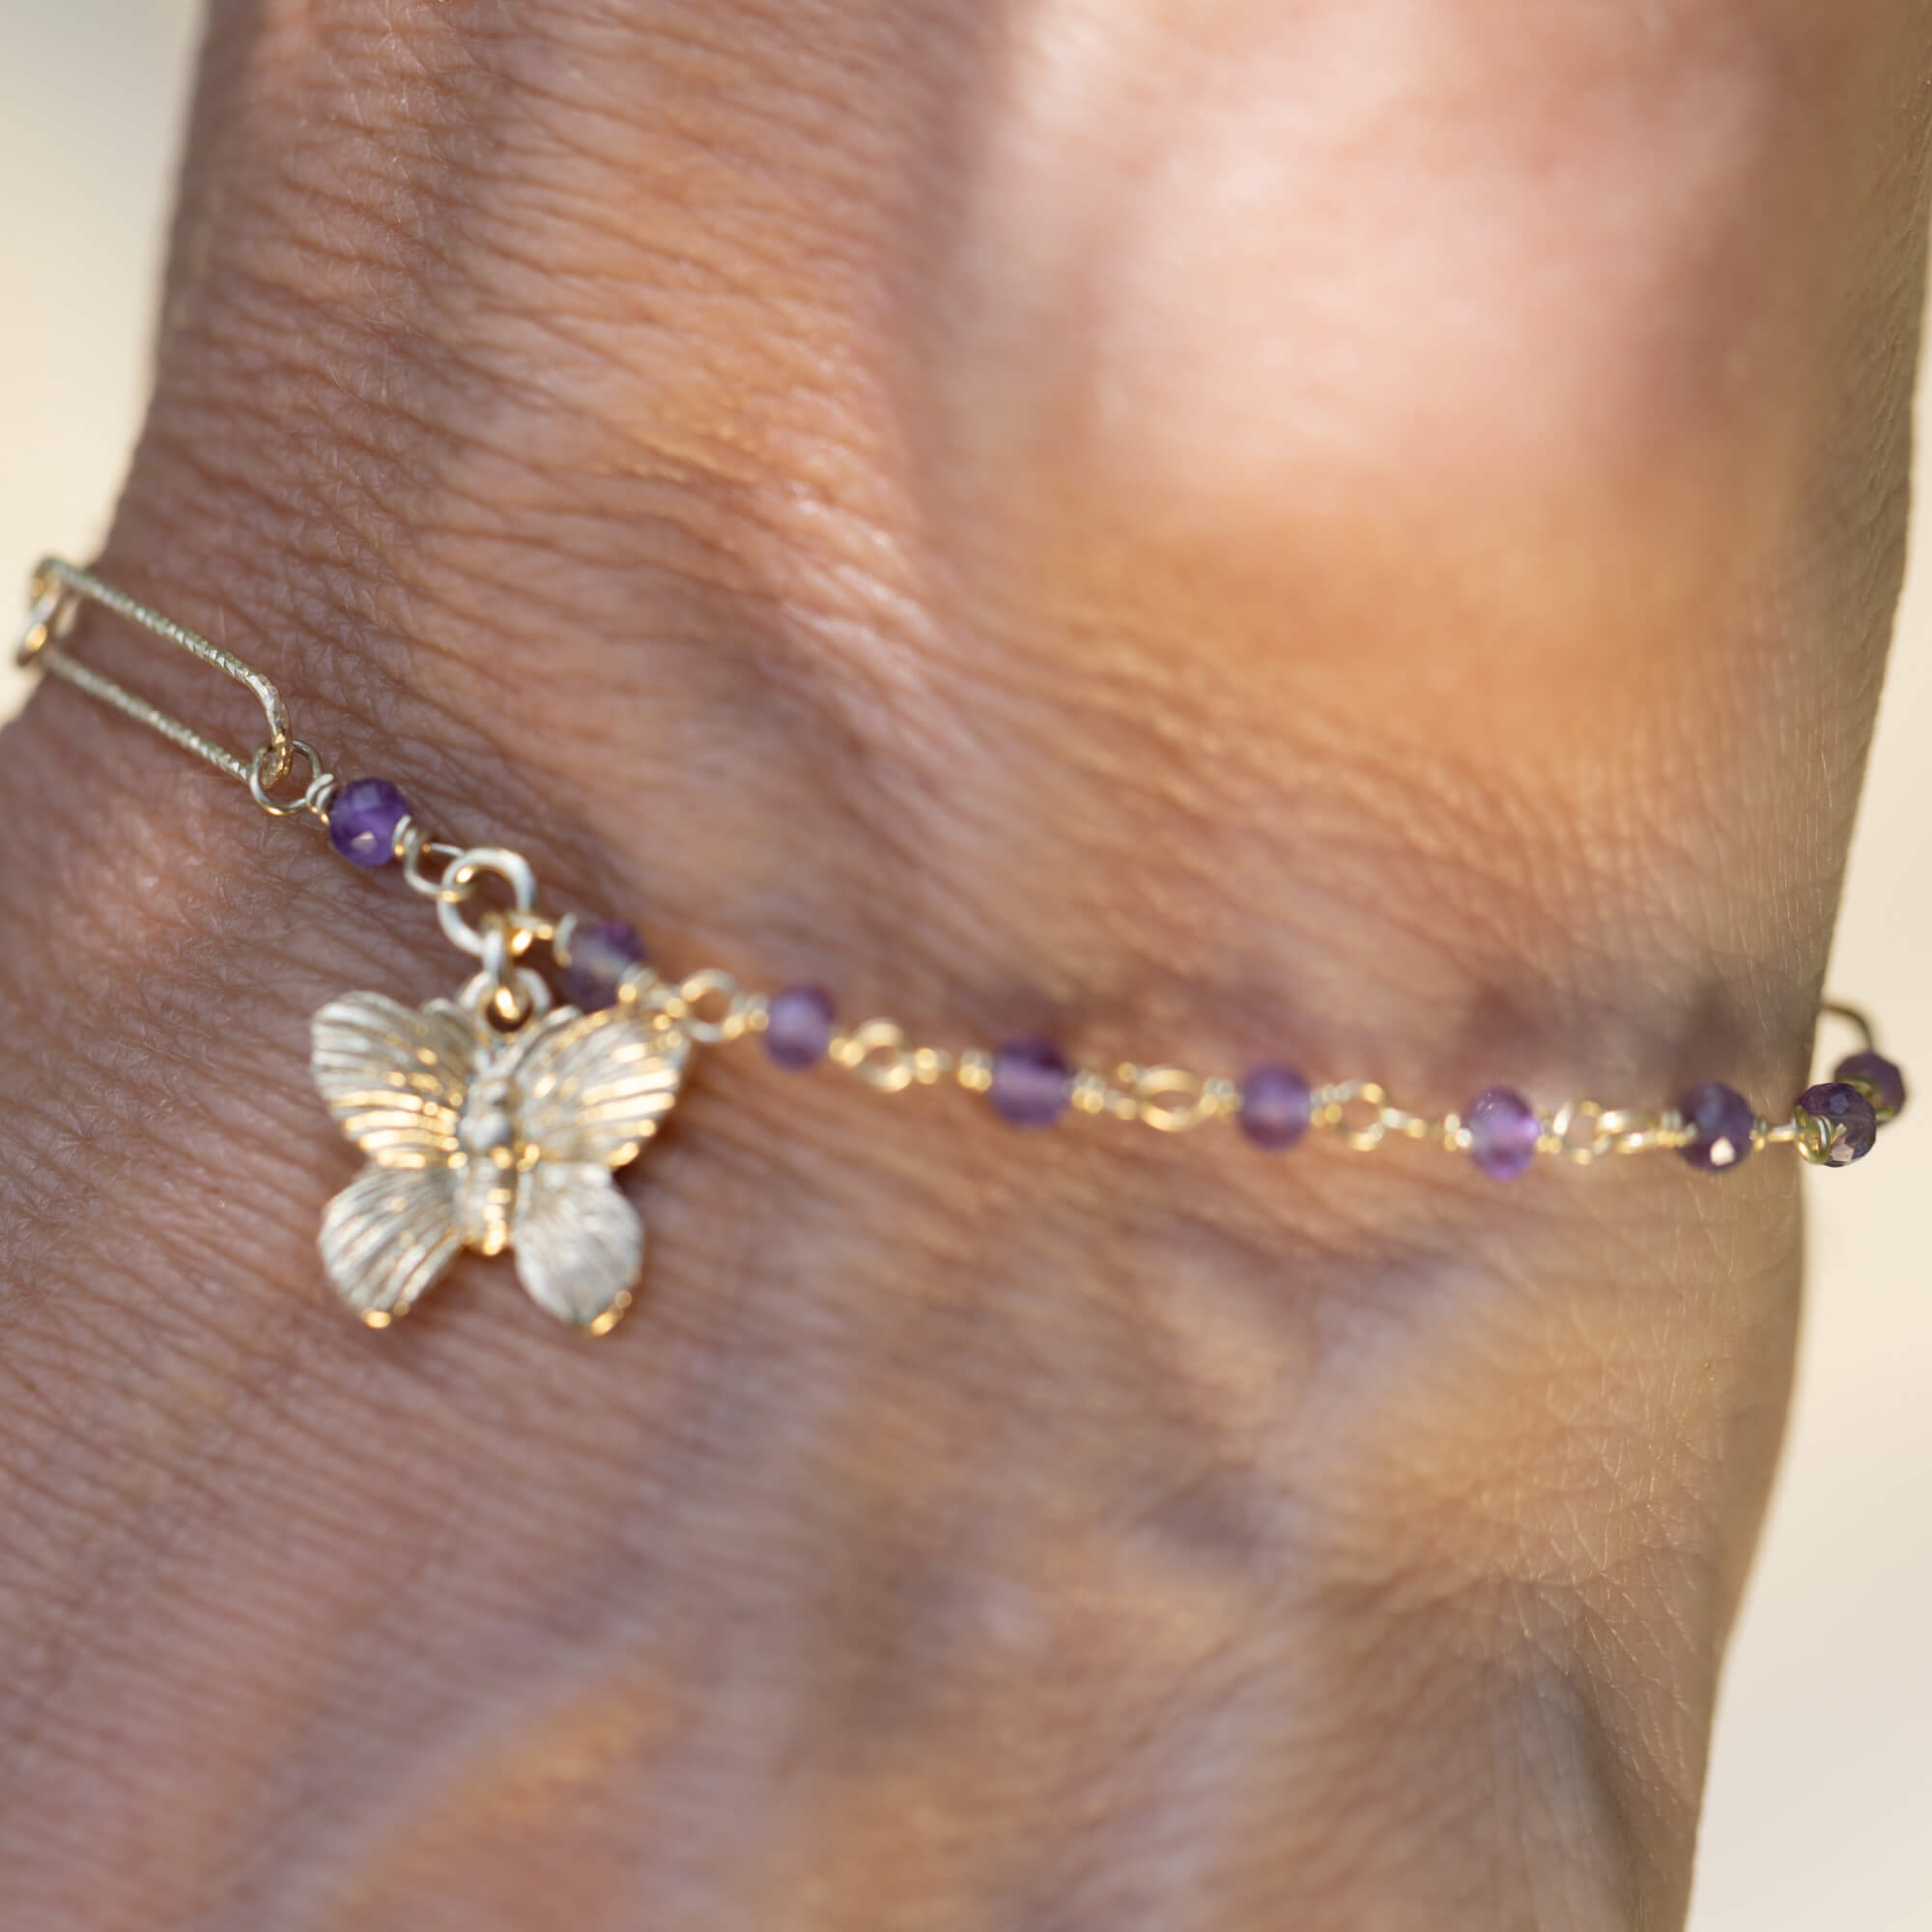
494,1121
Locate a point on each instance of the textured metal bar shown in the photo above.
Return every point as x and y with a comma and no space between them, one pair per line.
42,648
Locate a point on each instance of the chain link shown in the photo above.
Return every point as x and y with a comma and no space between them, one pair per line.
313,803
462,876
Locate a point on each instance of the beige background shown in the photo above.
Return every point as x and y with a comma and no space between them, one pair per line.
1821,1797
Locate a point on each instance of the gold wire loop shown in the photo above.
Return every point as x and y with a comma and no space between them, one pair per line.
1639,1131
518,997
313,802
51,612
714,986
1172,1100
462,876
502,992
880,1054
1332,1110
413,846
1093,1093
495,951
1562,1138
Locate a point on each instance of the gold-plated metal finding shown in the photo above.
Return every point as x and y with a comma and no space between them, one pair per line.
731,1007
1333,1107
931,1064
1172,1100
315,796
878,1053
1561,1136
461,877
973,1069
415,850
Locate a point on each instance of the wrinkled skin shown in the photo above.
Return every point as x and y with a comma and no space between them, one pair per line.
1363,531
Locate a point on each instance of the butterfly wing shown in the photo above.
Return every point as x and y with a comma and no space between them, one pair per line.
389,1236
579,1244
394,1076
593,1087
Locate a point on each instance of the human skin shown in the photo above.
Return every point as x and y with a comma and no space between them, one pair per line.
1362,532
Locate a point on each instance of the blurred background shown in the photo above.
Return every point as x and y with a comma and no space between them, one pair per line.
1820,1811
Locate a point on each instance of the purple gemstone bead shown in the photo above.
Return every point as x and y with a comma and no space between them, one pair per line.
1275,1107
1032,1083
1881,1080
1839,1119
362,820
601,953
1503,1132
798,1026
1723,1121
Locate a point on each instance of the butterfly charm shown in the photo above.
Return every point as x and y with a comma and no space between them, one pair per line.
489,1141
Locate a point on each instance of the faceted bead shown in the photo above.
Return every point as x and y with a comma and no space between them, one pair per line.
1275,1107
1031,1083
1503,1132
1881,1081
362,820
601,953
798,1026
1724,1122
1836,1123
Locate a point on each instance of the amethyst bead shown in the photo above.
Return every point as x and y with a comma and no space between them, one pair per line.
362,819
798,1027
1839,1124
601,953
1032,1083
1879,1079
1724,1122
1275,1107
1503,1132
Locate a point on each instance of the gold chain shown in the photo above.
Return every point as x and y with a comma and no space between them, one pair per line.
709,1006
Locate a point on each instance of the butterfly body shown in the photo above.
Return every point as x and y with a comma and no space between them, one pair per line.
490,1155
489,1142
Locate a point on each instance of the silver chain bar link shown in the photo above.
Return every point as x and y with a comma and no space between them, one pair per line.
57,592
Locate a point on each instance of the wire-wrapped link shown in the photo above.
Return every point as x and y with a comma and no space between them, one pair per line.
973,1069
414,848
714,985
1331,1111
462,876
1171,1100
878,1053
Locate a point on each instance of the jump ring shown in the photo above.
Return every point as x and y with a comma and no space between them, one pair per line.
1561,1136
460,879
522,997
1333,1111
1172,1100
261,776
713,984
51,616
